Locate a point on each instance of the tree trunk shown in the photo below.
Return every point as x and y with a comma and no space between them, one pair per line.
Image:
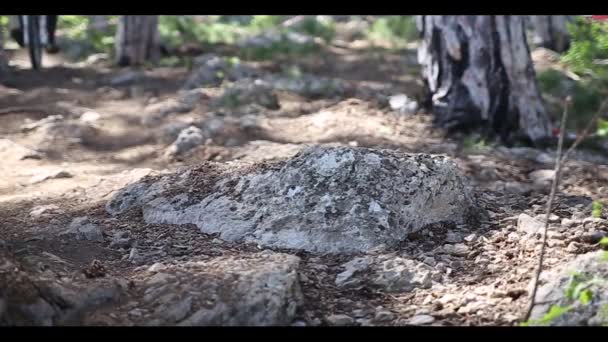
478,73
3,57
137,40
551,32
98,23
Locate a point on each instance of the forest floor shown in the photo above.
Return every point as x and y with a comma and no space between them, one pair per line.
52,172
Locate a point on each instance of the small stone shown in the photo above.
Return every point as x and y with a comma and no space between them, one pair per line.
528,225
555,235
384,316
542,177
358,313
516,188
429,261
298,324
590,221
135,313
366,322
569,223
593,237
572,247
513,237
49,174
160,278
178,311
339,320
554,218
470,238
155,267
43,209
133,255
90,116
448,298
421,320
452,237
458,249
403,104
84,229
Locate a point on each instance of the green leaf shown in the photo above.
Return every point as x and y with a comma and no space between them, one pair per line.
575,281
604,241
602,127
597,209
554,312
586,296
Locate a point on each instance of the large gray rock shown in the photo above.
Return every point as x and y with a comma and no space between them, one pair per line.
259,290
563,286
386,272
327,200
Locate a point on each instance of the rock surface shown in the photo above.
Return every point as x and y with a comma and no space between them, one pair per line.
260,290
389,273
564,286
327,200
187,139
84,229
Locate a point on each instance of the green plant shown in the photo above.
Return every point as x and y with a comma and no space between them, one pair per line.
393,29
312,26
554,312
263,22
476,144
598,209
76,28
585,296
589,43
602,127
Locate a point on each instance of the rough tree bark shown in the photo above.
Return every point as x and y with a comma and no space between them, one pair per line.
551,32
478,73
98,23
3,57
137,40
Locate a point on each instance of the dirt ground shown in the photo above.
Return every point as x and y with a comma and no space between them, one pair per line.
489,282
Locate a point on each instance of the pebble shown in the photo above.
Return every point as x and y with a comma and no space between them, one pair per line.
133,254
155,267
43,209
572,247
160,278
429,261
421,320
593,237
358,313
458,249
298,324
513,237
384,316
339,320
178,311
470,238
453,237
135,313
528,225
